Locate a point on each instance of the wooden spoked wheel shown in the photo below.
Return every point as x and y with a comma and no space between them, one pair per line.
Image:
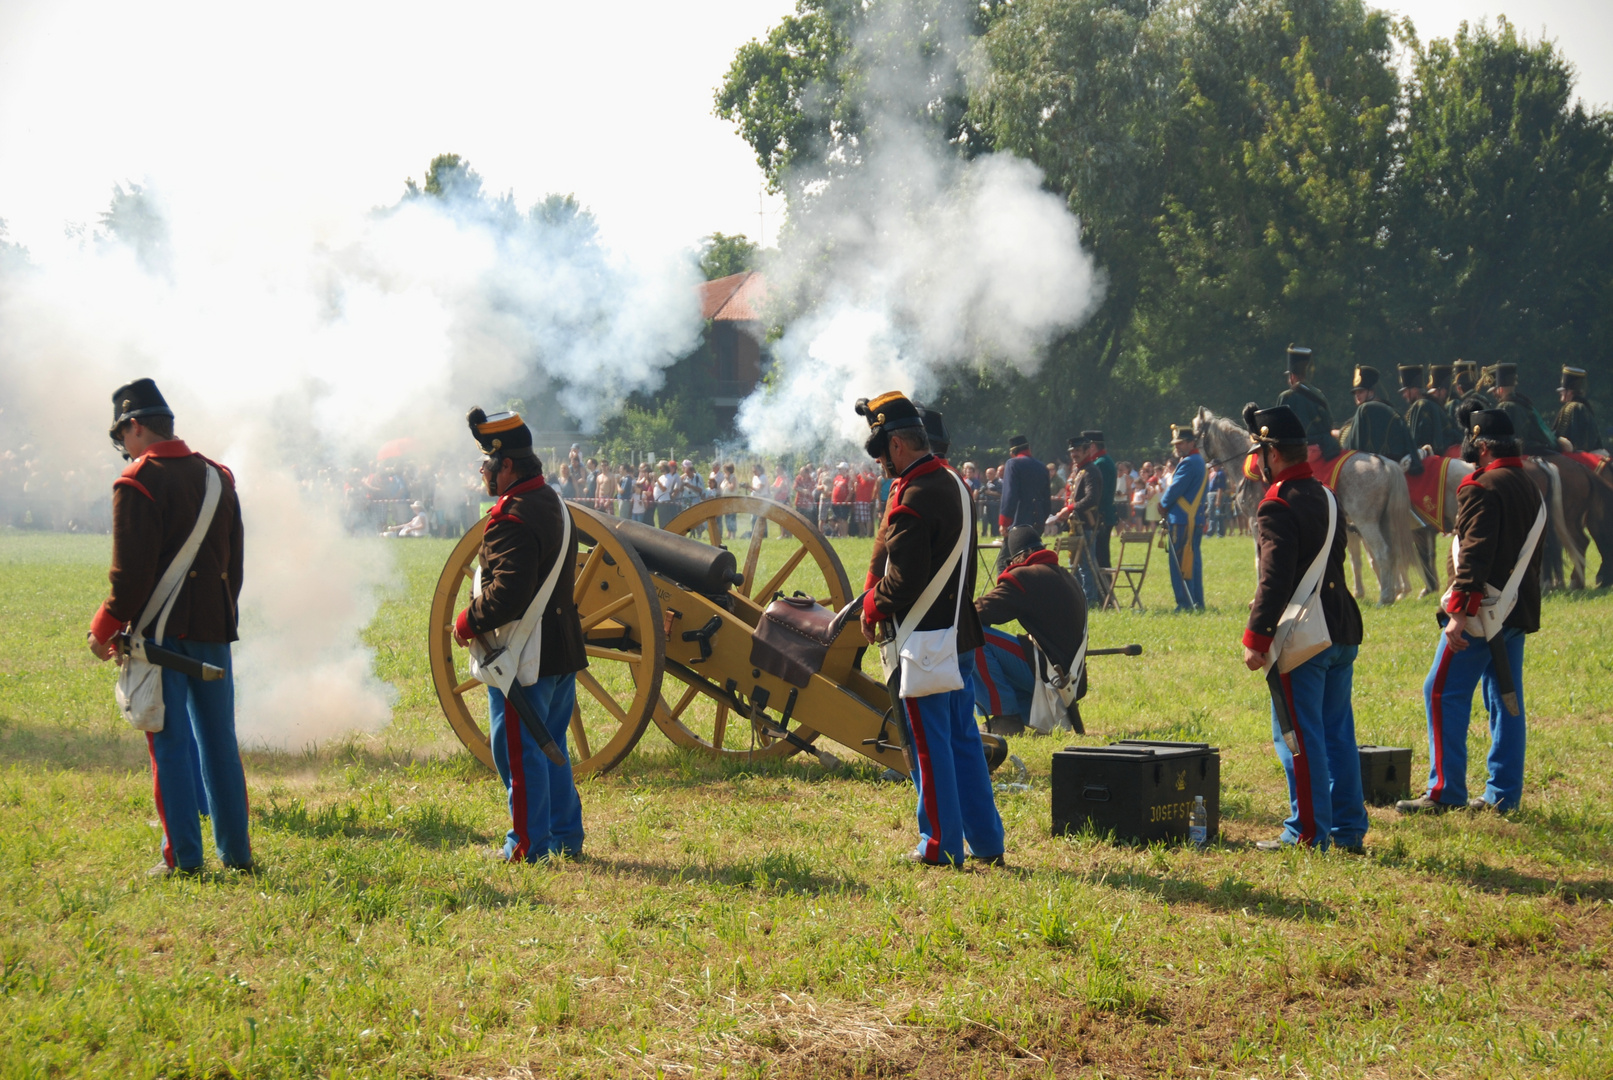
794,556
621,621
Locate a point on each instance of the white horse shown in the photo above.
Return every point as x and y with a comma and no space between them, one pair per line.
1372,494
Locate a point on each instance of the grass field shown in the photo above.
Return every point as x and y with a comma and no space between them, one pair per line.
761,922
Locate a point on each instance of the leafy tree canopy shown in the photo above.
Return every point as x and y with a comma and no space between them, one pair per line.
722,254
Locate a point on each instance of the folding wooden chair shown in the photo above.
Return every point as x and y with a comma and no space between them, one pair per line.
1131,567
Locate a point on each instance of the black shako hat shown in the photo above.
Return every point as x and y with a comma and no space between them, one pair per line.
1277,426
886,413
1079,442
1411,376
1573,378
1299,361
1366,378
1093,437
1021,541
1466,371
935,427
503,434
1183,433
1018,443
1504,374
1485,423
136,401
1439,376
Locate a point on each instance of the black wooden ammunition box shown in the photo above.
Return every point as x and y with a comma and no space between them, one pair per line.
1385,774
1137,789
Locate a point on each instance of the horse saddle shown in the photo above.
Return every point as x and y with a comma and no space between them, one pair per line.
793,637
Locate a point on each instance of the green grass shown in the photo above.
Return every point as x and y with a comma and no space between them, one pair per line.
760,922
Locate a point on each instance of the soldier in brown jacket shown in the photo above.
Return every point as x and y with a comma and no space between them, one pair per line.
155,505
924,520
1496,507
519,548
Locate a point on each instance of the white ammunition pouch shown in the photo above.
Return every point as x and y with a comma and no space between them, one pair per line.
517,646
1498,603
1053,689
1302,631
928,659
139,688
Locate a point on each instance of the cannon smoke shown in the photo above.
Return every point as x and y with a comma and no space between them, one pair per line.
913,265
286,349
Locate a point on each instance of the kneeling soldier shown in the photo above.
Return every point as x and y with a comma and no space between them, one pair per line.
1499,520
1310,703
927,516
523,608
156,504
1046,601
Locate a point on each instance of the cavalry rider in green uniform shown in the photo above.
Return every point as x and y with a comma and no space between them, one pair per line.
1440,392
1377,428
1533,434
1308,403
1575,421
1424,418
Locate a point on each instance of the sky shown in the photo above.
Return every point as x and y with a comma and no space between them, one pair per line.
307,114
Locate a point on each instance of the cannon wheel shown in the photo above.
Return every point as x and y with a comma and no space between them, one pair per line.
621,619
689,714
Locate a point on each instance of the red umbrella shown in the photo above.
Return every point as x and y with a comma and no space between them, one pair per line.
397,448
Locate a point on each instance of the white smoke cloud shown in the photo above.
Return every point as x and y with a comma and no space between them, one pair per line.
285,346
915,264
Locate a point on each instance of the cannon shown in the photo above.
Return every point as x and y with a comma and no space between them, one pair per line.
670,620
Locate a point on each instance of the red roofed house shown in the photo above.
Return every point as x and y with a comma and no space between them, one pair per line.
732,307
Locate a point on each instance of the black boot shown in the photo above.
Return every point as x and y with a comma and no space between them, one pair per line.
1006,724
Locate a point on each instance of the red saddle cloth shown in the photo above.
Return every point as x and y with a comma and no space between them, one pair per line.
1427,491
1593,462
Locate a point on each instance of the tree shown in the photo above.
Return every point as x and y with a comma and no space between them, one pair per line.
722,255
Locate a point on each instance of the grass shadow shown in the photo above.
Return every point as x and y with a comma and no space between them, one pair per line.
428,825
774,872
1502,879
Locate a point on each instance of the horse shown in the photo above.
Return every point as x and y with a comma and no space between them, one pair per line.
1578,502
1371,492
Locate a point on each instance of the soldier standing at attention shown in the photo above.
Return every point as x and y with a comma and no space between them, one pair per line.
1575,421
1027,498
520,548
1182,503
1307,402
1464,378
1324,771
1424,418
1377,428
156,504
1496,509
925,519
1533,435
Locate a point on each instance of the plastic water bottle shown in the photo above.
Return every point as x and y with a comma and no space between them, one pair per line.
1198,823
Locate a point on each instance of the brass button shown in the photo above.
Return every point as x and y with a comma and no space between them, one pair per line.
225,576
193,573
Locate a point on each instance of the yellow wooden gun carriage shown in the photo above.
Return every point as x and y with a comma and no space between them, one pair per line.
670,619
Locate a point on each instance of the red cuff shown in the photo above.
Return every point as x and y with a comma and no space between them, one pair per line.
871,610
462,628
870,581
1004,522
1465,603
105,625
1260,643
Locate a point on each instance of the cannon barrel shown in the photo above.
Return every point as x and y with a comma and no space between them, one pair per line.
696,566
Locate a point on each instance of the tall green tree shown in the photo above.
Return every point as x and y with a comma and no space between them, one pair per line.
722,255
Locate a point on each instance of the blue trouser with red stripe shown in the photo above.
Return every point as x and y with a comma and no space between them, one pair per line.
1002,677
956,803
196,764
1448,695
545,811
1325,803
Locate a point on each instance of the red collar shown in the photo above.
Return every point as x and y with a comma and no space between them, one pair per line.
522,488
1498,463
1043,557
1294,472
1022,453
168,448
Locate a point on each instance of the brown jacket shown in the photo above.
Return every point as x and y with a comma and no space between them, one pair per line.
1046,600
1291,523
519,547
1495,509
921,526
155,504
